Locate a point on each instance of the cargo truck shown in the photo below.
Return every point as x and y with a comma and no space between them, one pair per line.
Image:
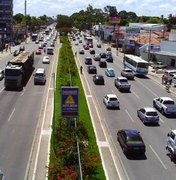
18,70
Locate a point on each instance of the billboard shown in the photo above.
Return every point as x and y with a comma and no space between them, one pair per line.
69,101
114,19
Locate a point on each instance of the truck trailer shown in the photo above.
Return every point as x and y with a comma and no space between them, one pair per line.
18,70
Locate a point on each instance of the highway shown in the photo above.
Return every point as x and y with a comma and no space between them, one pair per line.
20,116
155,164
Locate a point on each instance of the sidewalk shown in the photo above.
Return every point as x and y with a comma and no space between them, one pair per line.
13,48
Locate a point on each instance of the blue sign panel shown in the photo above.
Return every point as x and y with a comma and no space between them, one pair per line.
69,102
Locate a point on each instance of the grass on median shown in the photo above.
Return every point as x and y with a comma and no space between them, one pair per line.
64,157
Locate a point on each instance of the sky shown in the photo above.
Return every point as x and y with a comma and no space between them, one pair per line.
67,7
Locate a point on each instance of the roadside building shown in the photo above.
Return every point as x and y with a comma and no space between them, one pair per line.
6,19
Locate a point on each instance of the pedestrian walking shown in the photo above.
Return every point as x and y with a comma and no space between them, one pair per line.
81,68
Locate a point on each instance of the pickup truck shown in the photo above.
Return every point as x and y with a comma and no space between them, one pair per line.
158,65
166,105
121,83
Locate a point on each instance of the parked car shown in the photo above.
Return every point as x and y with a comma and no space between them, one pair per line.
98,79
80,41
102,64
92,69
97,57
110,72
131,141
38,52
88,60
46,60
81,51
148,115
167,76
111,101
122,84
16,52
109,58
103,55
108,49
128,73
1,74
92,51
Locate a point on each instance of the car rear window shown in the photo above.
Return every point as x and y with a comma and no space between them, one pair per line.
151,114
135,140
113,99
168,102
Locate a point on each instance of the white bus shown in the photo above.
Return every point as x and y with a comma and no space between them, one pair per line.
136,64
89,41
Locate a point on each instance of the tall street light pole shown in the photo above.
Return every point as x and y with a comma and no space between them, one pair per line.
25,7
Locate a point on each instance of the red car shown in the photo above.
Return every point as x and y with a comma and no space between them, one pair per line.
38,52
86,47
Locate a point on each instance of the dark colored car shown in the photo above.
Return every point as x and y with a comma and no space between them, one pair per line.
109,58
92,69
98,79
103,55
38,52
92,51
102,64
22,48
88,60
131,141
97,57
16,52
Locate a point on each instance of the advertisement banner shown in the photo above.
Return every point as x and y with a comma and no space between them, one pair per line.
69,101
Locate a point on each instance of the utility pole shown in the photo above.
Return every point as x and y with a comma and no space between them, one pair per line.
25,7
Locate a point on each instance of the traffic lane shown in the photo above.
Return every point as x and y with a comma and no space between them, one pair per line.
18,134
117,119
111,115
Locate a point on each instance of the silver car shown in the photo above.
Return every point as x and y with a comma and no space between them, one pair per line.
128,73
111,101
148,115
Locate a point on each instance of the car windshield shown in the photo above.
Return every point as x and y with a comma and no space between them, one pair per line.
128,71
151,113
12,72
142,65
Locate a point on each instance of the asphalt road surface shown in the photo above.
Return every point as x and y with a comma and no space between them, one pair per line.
20,113
155,164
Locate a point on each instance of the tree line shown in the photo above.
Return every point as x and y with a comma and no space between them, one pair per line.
85,19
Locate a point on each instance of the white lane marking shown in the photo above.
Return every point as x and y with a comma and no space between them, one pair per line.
148,89
2,90
23,92
135,94
129,115
161,120
41,130
157,156
11,114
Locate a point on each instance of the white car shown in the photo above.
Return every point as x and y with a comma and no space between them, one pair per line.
46,60
111,101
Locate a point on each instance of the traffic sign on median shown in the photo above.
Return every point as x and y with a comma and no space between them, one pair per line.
69,104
